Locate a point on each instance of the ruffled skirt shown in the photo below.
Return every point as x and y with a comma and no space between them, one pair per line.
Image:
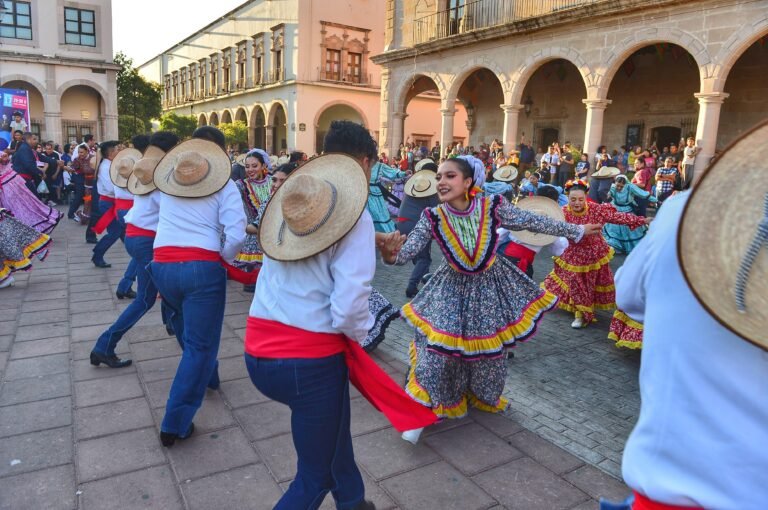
250,257
26,208
18,244
383,313
625,331
621,238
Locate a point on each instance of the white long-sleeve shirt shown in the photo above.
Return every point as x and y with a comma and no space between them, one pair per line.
103,181
703,428
199,222
145,211
555,248
122,194
326,293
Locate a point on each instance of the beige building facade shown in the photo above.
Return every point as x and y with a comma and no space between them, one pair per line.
61,52
287,69
592,72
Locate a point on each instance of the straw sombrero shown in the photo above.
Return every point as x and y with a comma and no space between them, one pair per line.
122,166
193,169
545,207
140,182
723,241
240,159
423,162
421,184
316,207
507,173
606,172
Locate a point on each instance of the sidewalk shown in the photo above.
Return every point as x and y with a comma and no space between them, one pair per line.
75,436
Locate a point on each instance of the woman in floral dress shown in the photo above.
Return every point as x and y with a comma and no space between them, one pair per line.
377,206
622,195
18,244
254,190
582,278
26,208
476,304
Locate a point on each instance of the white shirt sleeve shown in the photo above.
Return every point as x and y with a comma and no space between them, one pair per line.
558,246
352,268
630,282
232,220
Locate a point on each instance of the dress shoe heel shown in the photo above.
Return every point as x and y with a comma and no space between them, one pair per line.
111,361
126,295
168,439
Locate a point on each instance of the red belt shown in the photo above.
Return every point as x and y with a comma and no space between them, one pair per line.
166,254
523,255
643,503
271,339
132,230
27,176
123,204
106,218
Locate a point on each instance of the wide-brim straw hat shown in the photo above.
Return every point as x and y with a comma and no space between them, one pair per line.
421,184
423,162
507,173
193,169
606,172
122,166
545,207
318,205
240,159
141,180
719,244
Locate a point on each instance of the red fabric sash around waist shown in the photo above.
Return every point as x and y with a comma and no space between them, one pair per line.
271,339
132,230
123,204
27,177
106,218
167,254
523,255
643,503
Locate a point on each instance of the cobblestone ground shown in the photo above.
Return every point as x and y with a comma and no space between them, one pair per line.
73,436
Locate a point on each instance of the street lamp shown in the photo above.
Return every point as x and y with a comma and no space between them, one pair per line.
528,106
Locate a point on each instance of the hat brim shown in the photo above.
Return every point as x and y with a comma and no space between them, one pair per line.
117,179
135,187
497,174
410,184
719,223
423,162
219,172
348,177
607,172
542,206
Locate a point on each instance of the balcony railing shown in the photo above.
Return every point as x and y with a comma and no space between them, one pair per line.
485,14
347,79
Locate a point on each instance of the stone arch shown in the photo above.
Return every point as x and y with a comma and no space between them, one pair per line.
601,82
273,111
519,79
226,116
252,118
87,83
733,49
28,79
322,110
213,119
257,126
405,84
472,66
37,94
202,120
242,114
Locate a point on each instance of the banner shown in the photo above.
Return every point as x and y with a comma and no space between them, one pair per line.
14,114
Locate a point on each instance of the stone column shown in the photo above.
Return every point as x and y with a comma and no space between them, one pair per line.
511,116
446,131
593,134
269,135
110,126
249,66
397,128
710,104
53,127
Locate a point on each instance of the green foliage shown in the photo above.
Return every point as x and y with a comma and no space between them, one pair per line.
136,98
182,125
127,127
236,132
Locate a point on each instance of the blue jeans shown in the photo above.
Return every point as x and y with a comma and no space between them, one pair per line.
421,263
195,294
317,391
130,272
140,250
114,232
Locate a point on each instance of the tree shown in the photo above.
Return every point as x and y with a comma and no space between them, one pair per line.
127,127
136,97
236,132
182,125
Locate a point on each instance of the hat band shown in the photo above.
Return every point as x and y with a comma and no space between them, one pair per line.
742,277
315,227
415,188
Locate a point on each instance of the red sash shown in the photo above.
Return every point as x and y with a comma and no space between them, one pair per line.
190,254
132,230
643,503
523,255
271,339
106,218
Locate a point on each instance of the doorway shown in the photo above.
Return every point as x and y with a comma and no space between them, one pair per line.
548,137
664,136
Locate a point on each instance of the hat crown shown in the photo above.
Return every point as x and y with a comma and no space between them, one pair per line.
306,203
144,169
421,183
125,167
191,168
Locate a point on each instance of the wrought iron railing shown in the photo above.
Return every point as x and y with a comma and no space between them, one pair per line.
484,14
348,79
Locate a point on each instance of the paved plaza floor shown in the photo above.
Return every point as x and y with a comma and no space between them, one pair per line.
73,436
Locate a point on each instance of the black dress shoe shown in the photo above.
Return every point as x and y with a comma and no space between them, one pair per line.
101,264
123,295
364,505
111,361
168,439
92,241
409,292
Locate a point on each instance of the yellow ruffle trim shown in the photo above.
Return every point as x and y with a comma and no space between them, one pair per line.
624,343
17,265
626,319
482,242
629,322
585,269
249,258
488,345
570,307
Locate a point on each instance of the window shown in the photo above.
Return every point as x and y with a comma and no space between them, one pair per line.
355,67
79,27
332,65
278,64
16,23
258,70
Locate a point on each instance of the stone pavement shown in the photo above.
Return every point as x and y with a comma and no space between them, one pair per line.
74,436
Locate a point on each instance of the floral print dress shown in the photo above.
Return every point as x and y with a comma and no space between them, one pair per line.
254,193
473,307
18,244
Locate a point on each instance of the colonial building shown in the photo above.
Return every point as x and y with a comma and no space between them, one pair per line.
286,69
591,72
61,53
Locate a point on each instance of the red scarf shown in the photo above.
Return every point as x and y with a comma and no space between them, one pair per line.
271,339
166,254
644,503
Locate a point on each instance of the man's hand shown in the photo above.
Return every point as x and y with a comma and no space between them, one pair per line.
390,245
592,229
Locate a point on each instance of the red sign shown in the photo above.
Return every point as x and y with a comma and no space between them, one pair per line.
20,102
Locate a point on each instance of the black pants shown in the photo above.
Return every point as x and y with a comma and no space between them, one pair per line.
78,192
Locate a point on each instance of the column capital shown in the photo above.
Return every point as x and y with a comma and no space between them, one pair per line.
448,112
711,97
399,115
510,108
596,104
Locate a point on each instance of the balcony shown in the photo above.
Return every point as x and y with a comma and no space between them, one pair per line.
345,79
485,14
274,76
